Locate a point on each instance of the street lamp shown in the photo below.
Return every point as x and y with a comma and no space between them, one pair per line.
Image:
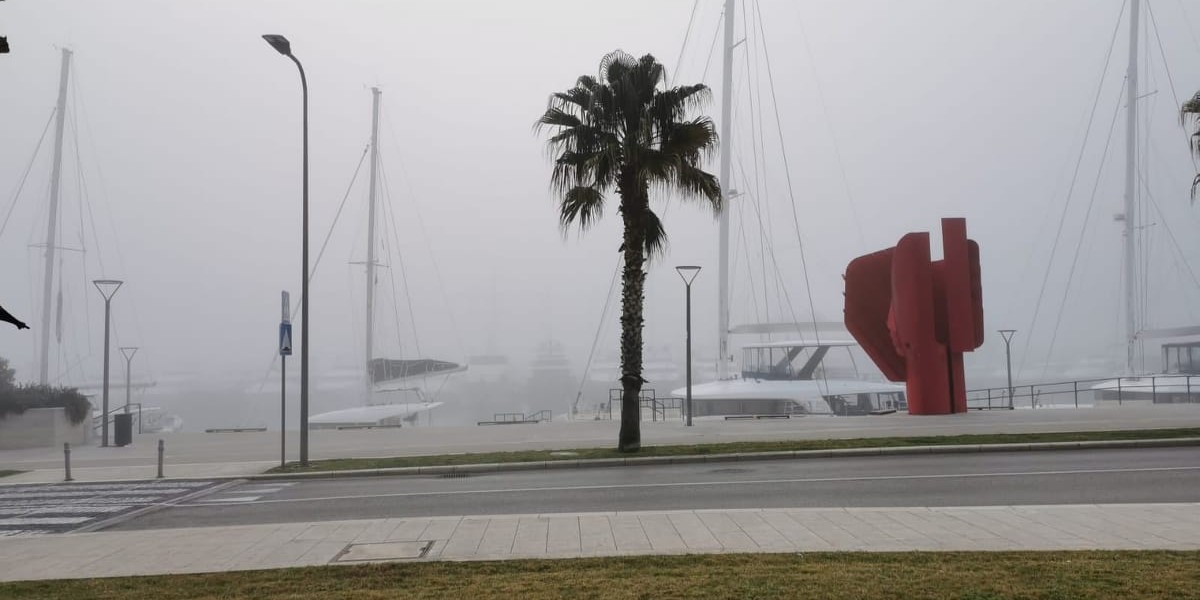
107,287
688,273
128,352
1008,335
284,47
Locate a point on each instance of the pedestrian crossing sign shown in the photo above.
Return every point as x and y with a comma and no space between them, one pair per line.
285,339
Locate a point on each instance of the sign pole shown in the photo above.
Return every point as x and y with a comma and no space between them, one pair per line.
285,349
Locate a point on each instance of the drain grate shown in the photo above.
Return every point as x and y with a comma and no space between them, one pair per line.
454,475
383,551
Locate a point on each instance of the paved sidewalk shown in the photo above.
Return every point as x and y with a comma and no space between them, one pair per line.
203,455
192,550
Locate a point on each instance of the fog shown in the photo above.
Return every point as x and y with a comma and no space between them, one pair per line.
182,173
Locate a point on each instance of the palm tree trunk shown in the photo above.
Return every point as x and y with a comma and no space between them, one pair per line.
633,282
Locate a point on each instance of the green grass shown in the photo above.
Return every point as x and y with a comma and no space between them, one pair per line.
7,472
940,576
343,464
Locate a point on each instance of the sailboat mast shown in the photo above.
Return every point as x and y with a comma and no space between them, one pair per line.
370,337
60,116
723,247
1131,87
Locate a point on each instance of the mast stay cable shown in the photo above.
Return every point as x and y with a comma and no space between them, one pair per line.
1082,230
29,167
1071,188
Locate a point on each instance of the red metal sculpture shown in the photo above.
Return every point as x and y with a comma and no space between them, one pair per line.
915,317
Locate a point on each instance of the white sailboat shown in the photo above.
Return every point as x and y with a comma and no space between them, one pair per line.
53,315
1180,360
771,381
385,379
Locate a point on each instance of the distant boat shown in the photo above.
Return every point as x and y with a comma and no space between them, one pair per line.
384,379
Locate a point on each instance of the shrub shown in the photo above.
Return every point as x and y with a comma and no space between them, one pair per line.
18,399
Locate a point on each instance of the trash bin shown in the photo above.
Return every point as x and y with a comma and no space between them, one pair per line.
123,429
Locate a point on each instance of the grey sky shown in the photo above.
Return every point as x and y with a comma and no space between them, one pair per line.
189,135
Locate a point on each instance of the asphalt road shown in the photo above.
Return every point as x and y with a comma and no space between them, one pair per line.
1060,477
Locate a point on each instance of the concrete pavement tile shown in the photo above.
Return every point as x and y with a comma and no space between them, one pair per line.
499,537
287,554
896,529
378,532
726,531
348,531
596,535
796,534
693,532
827,530
318,531
465,539
760,531
628,534
409,529
270,542
322,553
868,534
661,533
531,536
563,535
439,528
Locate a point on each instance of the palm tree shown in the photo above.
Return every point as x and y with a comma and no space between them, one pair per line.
626,131
1191,111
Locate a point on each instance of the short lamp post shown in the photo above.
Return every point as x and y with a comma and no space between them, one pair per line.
128,352
108,288
688,273
1008,335
284,47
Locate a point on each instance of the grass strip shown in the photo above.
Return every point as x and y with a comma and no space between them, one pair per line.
343,464
836,576
7,472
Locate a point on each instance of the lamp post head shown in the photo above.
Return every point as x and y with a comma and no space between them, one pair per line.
688,273
107,287
279,43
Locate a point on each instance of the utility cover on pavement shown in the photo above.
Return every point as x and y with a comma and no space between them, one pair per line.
384,551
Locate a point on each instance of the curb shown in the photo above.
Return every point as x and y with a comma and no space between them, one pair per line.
587,463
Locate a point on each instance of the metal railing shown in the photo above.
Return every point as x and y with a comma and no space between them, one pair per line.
1156,389
512,418
663,409
659,408
98,422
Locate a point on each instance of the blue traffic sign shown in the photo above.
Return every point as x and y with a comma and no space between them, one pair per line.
285,339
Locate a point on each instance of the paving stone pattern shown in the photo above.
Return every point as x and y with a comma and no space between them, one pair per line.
244,547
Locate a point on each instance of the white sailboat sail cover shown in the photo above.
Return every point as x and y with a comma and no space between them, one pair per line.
386,370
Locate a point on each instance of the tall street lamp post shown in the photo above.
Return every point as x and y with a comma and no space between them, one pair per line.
281,44
128,352
107,287
1008,335
688,273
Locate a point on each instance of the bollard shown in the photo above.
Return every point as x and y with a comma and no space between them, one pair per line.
160,458
67,460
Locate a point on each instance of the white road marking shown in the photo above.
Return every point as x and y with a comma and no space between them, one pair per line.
229,499
44,520
714,483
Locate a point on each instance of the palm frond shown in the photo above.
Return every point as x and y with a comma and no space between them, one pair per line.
557,117
653,234
582,205
1190,111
